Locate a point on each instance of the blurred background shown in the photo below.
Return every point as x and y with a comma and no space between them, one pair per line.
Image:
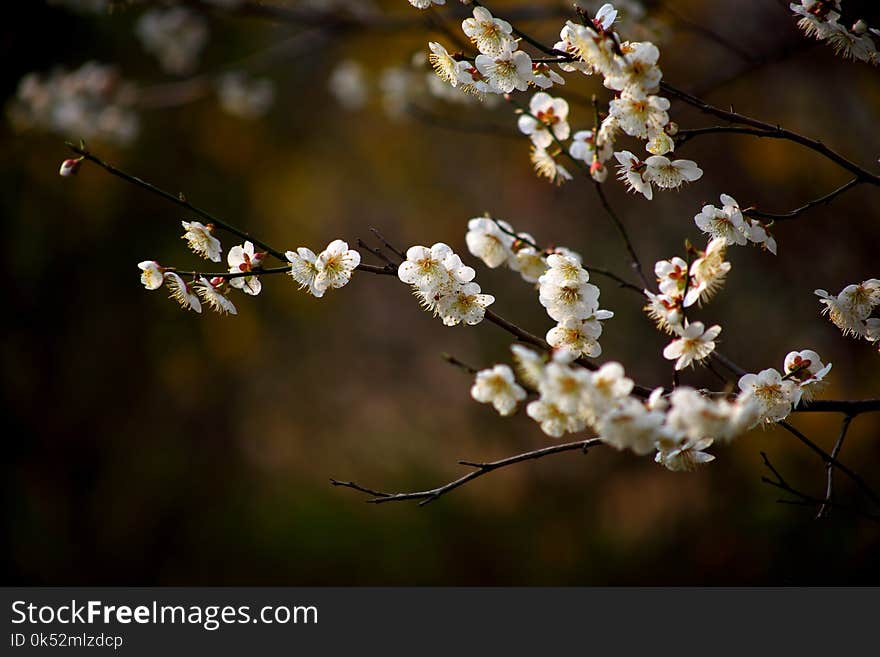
147,445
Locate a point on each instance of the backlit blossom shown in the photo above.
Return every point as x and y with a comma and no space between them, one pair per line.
201,240
685,455
631,425
444,65
666,311
693,344
707,273
211,293
546,166
182,293
670,174
424,4
303,270
490,35
632,170
152,277
529,364
726,222
497,386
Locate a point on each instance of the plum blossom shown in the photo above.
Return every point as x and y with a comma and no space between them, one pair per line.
547,167
335,265
707,273
639,74
670,174
200,239
693,344
182,293
506,71
443,63
152,276
211,294
497,386
772,394
490,35
547,118
554,422
487,241
424,4
242,259
640,116
851,308
633,171
726,222
807,369
304,270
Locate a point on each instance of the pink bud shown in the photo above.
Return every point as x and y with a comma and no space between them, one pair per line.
70,167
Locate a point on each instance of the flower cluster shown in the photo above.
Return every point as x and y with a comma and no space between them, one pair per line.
681,285
444,285
852,308
774,394
332,268
563,284
190,295
677,428
820,19
729,223
175,36
92,102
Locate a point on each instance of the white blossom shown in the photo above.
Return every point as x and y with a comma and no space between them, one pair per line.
632,171
693,344
547,118
772,394
506,71
242,259
670,174
806,368
335,265
487,241
546,166
304,270
490,35
640,116
726,222
201,240
497,386
152,277
182,293
211,294
707,273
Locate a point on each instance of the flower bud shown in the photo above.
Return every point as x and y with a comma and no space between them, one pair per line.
70,167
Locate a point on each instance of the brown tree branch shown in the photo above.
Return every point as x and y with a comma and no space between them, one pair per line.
480,469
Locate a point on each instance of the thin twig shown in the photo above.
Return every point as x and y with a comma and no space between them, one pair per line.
773,131
822,200
480,469
825,509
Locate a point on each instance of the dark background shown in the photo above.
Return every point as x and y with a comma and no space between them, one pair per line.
145,445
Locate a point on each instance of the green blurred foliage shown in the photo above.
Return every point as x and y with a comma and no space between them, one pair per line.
151,446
